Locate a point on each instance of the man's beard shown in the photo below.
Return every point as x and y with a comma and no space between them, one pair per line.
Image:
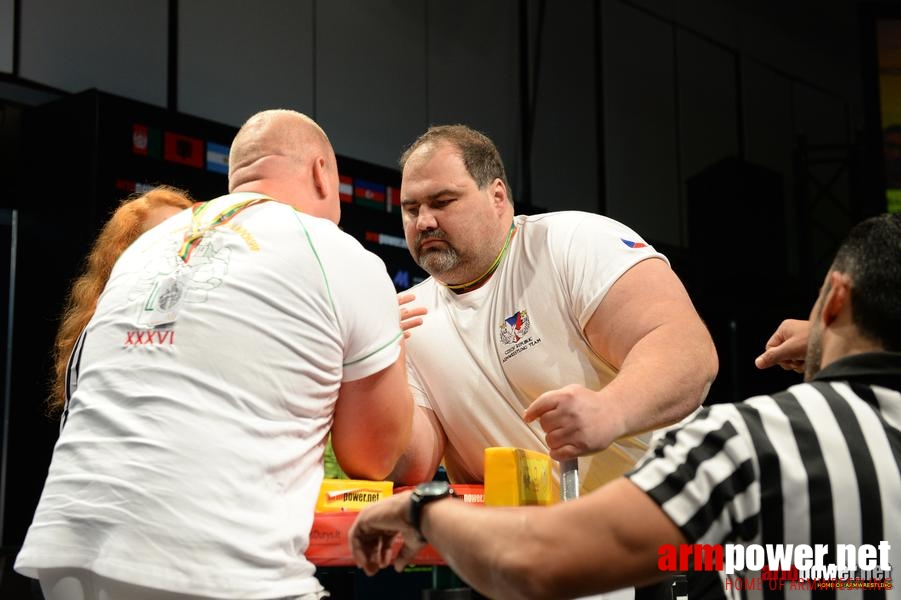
439,258
814,358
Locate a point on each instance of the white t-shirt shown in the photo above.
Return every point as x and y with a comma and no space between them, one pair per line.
480,358
192,455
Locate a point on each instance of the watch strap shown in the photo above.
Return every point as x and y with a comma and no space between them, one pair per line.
422,495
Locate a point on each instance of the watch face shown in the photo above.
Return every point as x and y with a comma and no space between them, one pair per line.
433,488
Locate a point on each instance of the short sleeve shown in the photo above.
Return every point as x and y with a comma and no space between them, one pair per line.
366,308
592,252
703,476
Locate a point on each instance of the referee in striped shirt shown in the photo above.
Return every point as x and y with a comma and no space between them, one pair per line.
818,464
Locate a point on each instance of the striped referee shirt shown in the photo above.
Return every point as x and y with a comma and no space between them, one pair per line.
818,463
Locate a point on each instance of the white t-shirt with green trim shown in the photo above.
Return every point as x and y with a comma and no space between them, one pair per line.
191,459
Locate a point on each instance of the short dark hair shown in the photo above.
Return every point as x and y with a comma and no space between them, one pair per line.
871,255
480,156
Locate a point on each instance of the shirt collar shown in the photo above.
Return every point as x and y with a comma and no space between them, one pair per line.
877,368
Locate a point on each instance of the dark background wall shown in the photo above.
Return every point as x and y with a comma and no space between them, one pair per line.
580,95
735,135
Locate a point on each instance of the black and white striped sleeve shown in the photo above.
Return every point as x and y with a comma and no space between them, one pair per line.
704,477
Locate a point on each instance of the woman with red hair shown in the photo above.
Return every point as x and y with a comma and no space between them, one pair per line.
133,217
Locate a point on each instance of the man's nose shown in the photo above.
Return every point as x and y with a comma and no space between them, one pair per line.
426,220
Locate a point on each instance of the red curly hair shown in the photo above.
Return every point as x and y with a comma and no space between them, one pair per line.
124,226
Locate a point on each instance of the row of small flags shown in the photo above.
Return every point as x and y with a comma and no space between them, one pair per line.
195,152
368,193
178,148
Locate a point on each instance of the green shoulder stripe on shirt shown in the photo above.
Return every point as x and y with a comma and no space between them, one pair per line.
376,351
332,300
328,288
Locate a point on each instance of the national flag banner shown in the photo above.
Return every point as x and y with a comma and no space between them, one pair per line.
183,149
125,185
393,201
145,141
633,244
217,158
346,188
367,193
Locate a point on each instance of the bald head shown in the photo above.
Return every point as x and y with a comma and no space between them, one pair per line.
286,155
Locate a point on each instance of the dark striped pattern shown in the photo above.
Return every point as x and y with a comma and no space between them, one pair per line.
814,452
72,368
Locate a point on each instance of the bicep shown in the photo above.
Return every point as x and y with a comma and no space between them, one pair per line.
645,297
372,421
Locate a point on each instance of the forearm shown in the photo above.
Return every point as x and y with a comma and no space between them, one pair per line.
665,377
492,550
605,541
420,460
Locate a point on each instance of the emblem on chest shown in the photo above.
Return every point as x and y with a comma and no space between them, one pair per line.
515,328
514,335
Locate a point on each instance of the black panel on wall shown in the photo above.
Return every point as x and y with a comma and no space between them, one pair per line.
739,276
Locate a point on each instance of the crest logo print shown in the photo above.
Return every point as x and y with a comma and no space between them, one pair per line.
515,327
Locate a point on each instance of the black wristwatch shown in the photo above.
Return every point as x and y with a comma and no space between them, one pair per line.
422,495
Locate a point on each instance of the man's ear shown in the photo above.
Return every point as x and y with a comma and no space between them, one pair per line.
320,178
838,298
499,193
